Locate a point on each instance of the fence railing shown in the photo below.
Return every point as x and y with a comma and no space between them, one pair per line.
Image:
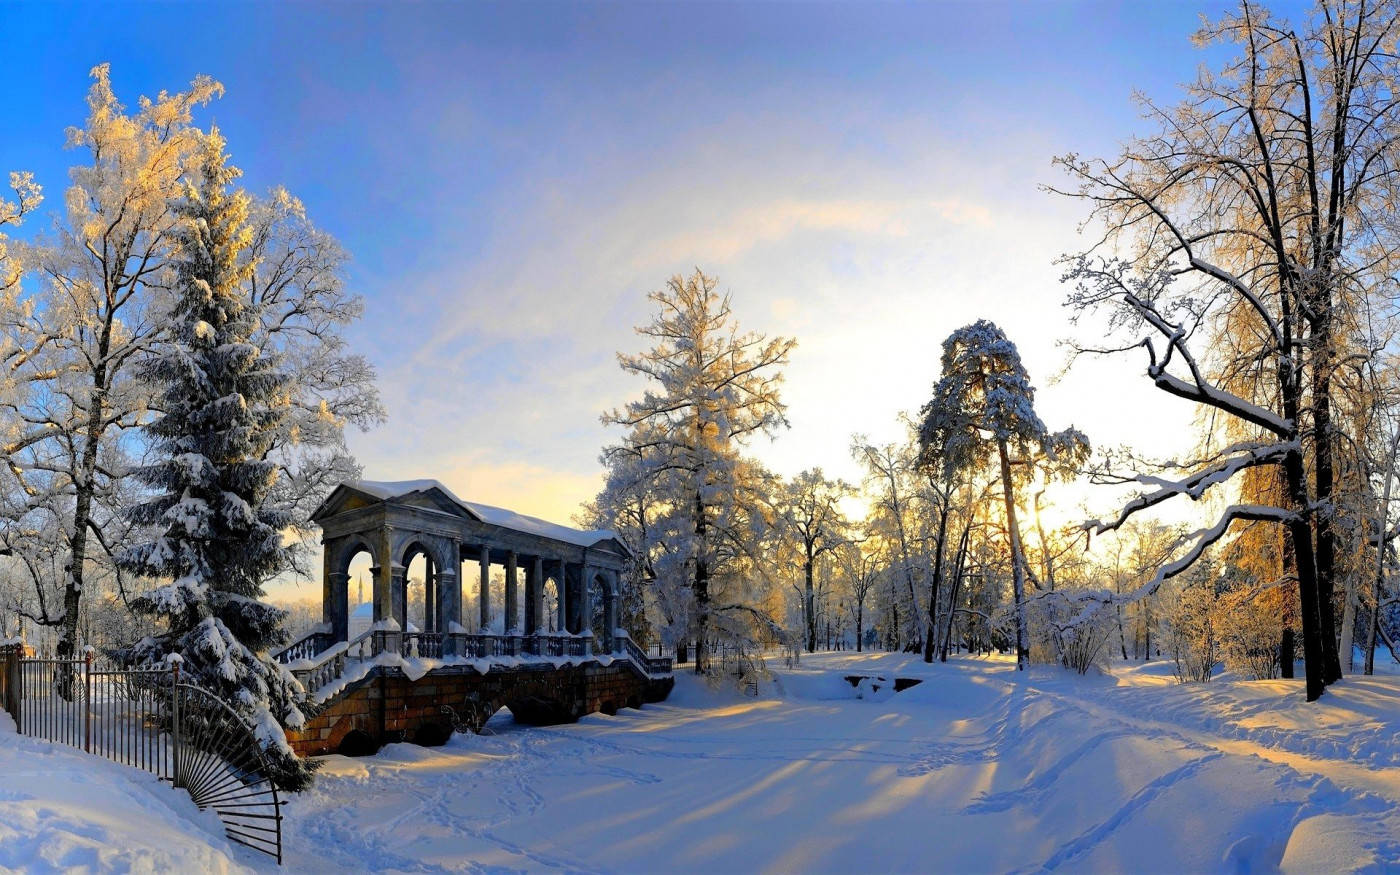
316,671
650,664
308,646
146,718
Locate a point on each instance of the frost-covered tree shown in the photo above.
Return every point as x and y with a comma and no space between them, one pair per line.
983,403
1264,201
710,389
297,288
889,482
28,195
222,401
811,518
860,571
74,340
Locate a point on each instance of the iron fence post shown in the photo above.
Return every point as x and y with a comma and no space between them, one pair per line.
87,699
175,777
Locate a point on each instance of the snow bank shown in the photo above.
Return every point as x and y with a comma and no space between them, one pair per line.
62,810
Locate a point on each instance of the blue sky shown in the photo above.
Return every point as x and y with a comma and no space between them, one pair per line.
511,180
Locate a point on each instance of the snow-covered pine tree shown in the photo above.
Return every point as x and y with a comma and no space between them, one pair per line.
984,400
221,400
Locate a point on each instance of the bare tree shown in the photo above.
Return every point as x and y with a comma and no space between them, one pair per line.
809,508
1268,193
78,335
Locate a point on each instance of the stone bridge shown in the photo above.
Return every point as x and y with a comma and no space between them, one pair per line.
549,647
387,705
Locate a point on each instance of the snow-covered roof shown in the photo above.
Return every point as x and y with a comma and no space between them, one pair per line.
496,516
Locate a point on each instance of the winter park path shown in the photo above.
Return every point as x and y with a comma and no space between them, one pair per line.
976,769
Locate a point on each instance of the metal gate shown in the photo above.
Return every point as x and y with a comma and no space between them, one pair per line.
146,717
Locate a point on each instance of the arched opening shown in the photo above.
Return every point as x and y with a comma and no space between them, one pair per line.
357,743
433,733
496,601
550,622
421,596
601,597
359,572
469,578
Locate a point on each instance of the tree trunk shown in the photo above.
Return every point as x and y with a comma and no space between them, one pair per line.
1347,645
1300,533
1018,582
702,591
809,606
1285,653
82,510
1374,628
931,639
959,564
1146,631
1382,517
1323,474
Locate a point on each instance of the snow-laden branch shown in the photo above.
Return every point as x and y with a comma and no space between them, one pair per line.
1198,483
1093,600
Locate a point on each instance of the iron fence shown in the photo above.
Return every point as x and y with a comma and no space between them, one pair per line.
146,718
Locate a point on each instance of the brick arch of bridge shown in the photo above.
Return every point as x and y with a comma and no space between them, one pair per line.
391,707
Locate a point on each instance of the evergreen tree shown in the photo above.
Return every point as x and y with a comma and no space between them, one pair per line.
221,400
711,387
985,400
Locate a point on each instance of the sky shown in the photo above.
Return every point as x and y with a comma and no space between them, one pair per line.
513,179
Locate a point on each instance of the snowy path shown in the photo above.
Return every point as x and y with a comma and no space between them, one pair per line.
976,769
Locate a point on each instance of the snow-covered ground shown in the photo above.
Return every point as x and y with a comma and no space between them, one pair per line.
976,769
62,810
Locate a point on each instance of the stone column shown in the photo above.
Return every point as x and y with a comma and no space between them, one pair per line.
399,590
429,596
449,614
449,591
530,583
613,611
484,599
335,594
585,605
383,576
534,614
561,583
512,620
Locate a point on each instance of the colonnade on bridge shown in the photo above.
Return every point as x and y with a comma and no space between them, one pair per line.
460,542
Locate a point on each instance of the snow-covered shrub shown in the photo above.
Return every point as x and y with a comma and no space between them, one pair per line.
1249,633
1064,631
1191,633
